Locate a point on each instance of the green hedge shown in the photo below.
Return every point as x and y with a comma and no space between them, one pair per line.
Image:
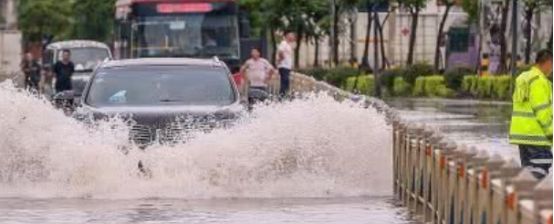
365,84
401,87
469,83
432,86
487,87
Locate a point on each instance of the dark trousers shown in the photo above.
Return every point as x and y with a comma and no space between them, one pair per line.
537,159
285,81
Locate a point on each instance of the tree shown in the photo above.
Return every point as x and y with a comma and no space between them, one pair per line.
531,7
448,4
340,7
502,34
45,17
93,19
365,58
414,8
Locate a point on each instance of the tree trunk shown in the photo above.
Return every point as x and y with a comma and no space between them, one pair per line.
415,18
365,59
384,60
528,33
299,38
316,54
376,52
503,46
440,37
273,46
336,35
375,42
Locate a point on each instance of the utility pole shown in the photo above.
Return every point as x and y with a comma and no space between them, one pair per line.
514,42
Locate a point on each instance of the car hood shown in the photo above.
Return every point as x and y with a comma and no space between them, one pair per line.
161,116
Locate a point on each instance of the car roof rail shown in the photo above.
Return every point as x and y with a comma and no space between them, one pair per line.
216,59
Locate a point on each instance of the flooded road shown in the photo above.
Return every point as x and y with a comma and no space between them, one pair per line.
484,124
311,160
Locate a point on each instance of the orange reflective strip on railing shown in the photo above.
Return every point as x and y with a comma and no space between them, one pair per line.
485,178
442,162
428,150
461,170
511,200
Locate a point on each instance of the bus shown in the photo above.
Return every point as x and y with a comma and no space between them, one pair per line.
180,28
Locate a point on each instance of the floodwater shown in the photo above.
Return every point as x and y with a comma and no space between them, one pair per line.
311,160
483,124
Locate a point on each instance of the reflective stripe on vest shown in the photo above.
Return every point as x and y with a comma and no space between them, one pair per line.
541,161
542,107
533,138
523,114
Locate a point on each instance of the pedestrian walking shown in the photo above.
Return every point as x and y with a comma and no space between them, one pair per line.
63,71
31,70
531,126
284,61
257,71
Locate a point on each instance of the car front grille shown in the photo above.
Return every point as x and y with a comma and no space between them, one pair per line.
175,132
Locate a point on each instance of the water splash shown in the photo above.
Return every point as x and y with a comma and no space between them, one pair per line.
312,147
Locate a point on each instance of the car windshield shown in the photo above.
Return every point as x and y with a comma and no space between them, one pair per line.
160,85
87,58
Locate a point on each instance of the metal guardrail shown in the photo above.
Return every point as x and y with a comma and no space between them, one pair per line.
441,182
444,183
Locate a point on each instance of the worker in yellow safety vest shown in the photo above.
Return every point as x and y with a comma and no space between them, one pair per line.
531,126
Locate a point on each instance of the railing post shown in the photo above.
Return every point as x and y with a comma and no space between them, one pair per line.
540,200
443,201
519,188
474,166
417,170
427,159
490,168
498,185
461,194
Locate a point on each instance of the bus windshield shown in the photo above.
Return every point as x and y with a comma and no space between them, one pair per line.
185,35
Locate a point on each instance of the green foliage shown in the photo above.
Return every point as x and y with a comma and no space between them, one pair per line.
471,7
501,87
337,76
432,86
469,83
388,77
94,19
364,84
401,87
484,86
318,73
412,72
44,17
419,87
454,77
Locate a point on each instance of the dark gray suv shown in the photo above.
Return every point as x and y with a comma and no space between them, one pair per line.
165,98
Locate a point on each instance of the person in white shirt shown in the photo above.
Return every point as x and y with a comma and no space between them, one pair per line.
257,71
284,61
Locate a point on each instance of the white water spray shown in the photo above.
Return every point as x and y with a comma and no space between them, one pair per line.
313,147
